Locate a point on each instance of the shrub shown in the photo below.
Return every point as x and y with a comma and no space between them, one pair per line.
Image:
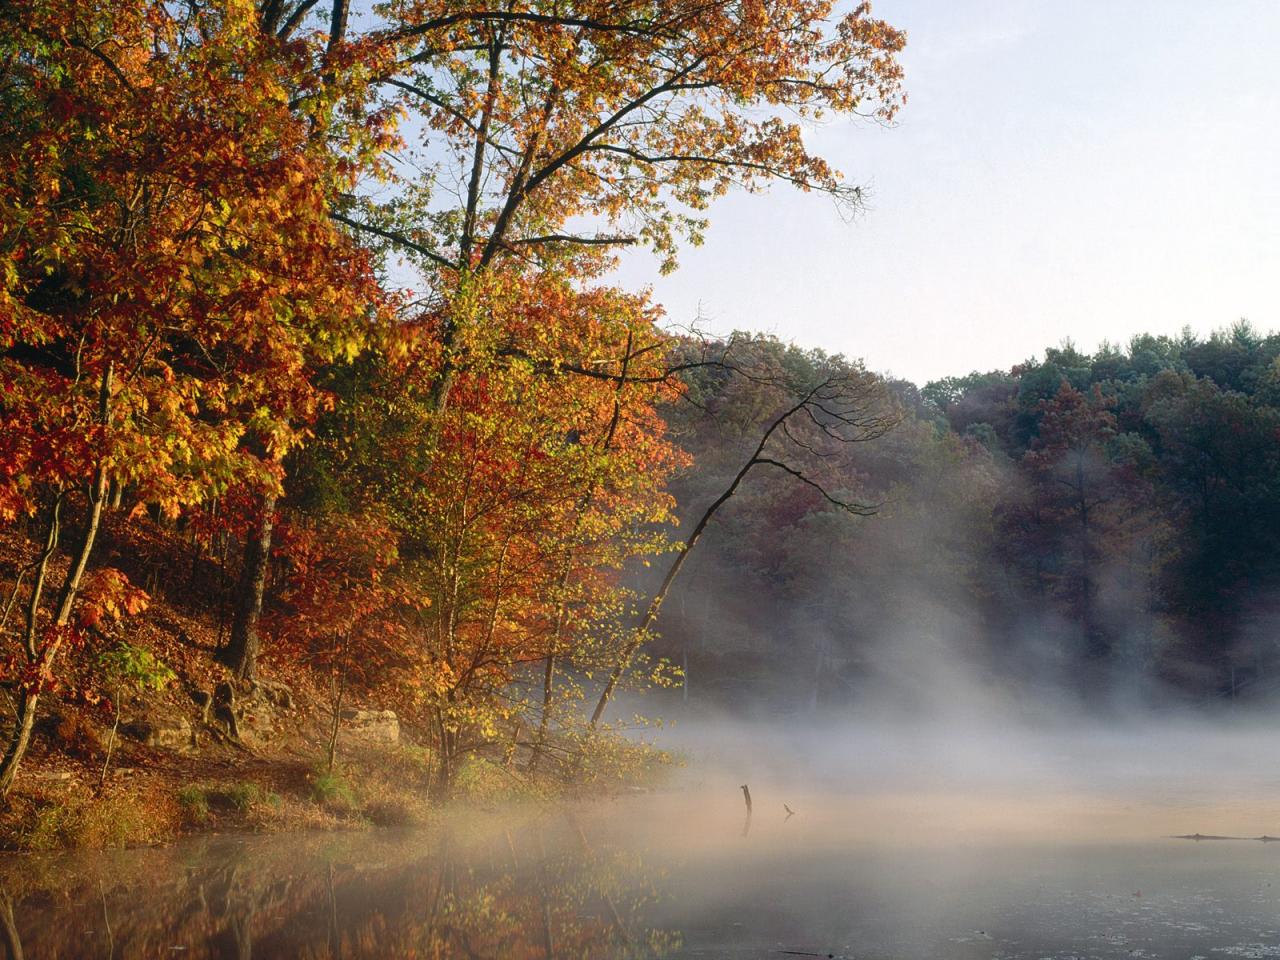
74,735
84,822
479,778
330,789
195,801
246,796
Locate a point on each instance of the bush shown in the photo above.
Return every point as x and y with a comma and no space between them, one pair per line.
195,801
246,797
392,812
199,801
82,822
330,789
607,760
479,778
74,734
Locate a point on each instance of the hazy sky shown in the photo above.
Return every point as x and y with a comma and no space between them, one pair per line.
1083,169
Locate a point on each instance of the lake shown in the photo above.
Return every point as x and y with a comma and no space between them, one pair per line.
939,866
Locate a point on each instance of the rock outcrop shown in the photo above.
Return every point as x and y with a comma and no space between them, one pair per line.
371,726
155,730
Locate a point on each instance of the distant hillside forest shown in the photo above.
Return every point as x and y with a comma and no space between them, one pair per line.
1105,524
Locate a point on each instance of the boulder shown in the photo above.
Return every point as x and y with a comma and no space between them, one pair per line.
250,713
169,733
371,726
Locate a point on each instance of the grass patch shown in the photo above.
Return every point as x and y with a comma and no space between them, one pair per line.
249,802
392,803
195,803
82,821
384,797
246,797
479,778
332,790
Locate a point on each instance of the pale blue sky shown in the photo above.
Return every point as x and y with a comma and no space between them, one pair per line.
1083,169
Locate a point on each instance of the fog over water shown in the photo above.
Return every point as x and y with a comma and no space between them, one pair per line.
995,836
963,780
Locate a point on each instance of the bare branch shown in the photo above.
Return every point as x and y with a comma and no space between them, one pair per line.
395,238
620,241
857,509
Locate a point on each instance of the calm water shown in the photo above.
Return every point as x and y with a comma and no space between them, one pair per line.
967,841
681,874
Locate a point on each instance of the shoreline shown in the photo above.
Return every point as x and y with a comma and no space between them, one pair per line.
157,797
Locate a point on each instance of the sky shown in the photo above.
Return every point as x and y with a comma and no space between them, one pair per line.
1087,169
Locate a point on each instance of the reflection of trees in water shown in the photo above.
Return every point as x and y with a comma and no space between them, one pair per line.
12,939
541,890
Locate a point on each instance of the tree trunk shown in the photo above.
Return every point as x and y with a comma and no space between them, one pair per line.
43,659
9,927
548,691
655,605
19,740
241,653
549,668
684,669
111,741
444,771
340,688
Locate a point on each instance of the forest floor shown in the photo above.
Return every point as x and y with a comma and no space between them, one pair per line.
174,768
156,795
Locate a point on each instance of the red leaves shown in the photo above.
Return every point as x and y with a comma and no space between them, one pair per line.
343,607
108,595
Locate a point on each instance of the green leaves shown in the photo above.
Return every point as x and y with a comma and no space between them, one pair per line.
130,666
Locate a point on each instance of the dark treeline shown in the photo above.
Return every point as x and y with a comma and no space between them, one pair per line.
1103,525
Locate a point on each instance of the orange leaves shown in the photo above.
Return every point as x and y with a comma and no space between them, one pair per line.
183,237
627,116
343,605
109,595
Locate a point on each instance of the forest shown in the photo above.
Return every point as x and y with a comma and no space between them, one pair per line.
1098,529
318,398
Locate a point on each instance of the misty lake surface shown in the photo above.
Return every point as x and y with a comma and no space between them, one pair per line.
939,866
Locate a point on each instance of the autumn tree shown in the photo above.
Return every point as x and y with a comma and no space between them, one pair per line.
629,118
343,612
329,84
514,507
537,119
169,271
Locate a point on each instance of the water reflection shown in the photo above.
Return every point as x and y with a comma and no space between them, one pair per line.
944,875
541,889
